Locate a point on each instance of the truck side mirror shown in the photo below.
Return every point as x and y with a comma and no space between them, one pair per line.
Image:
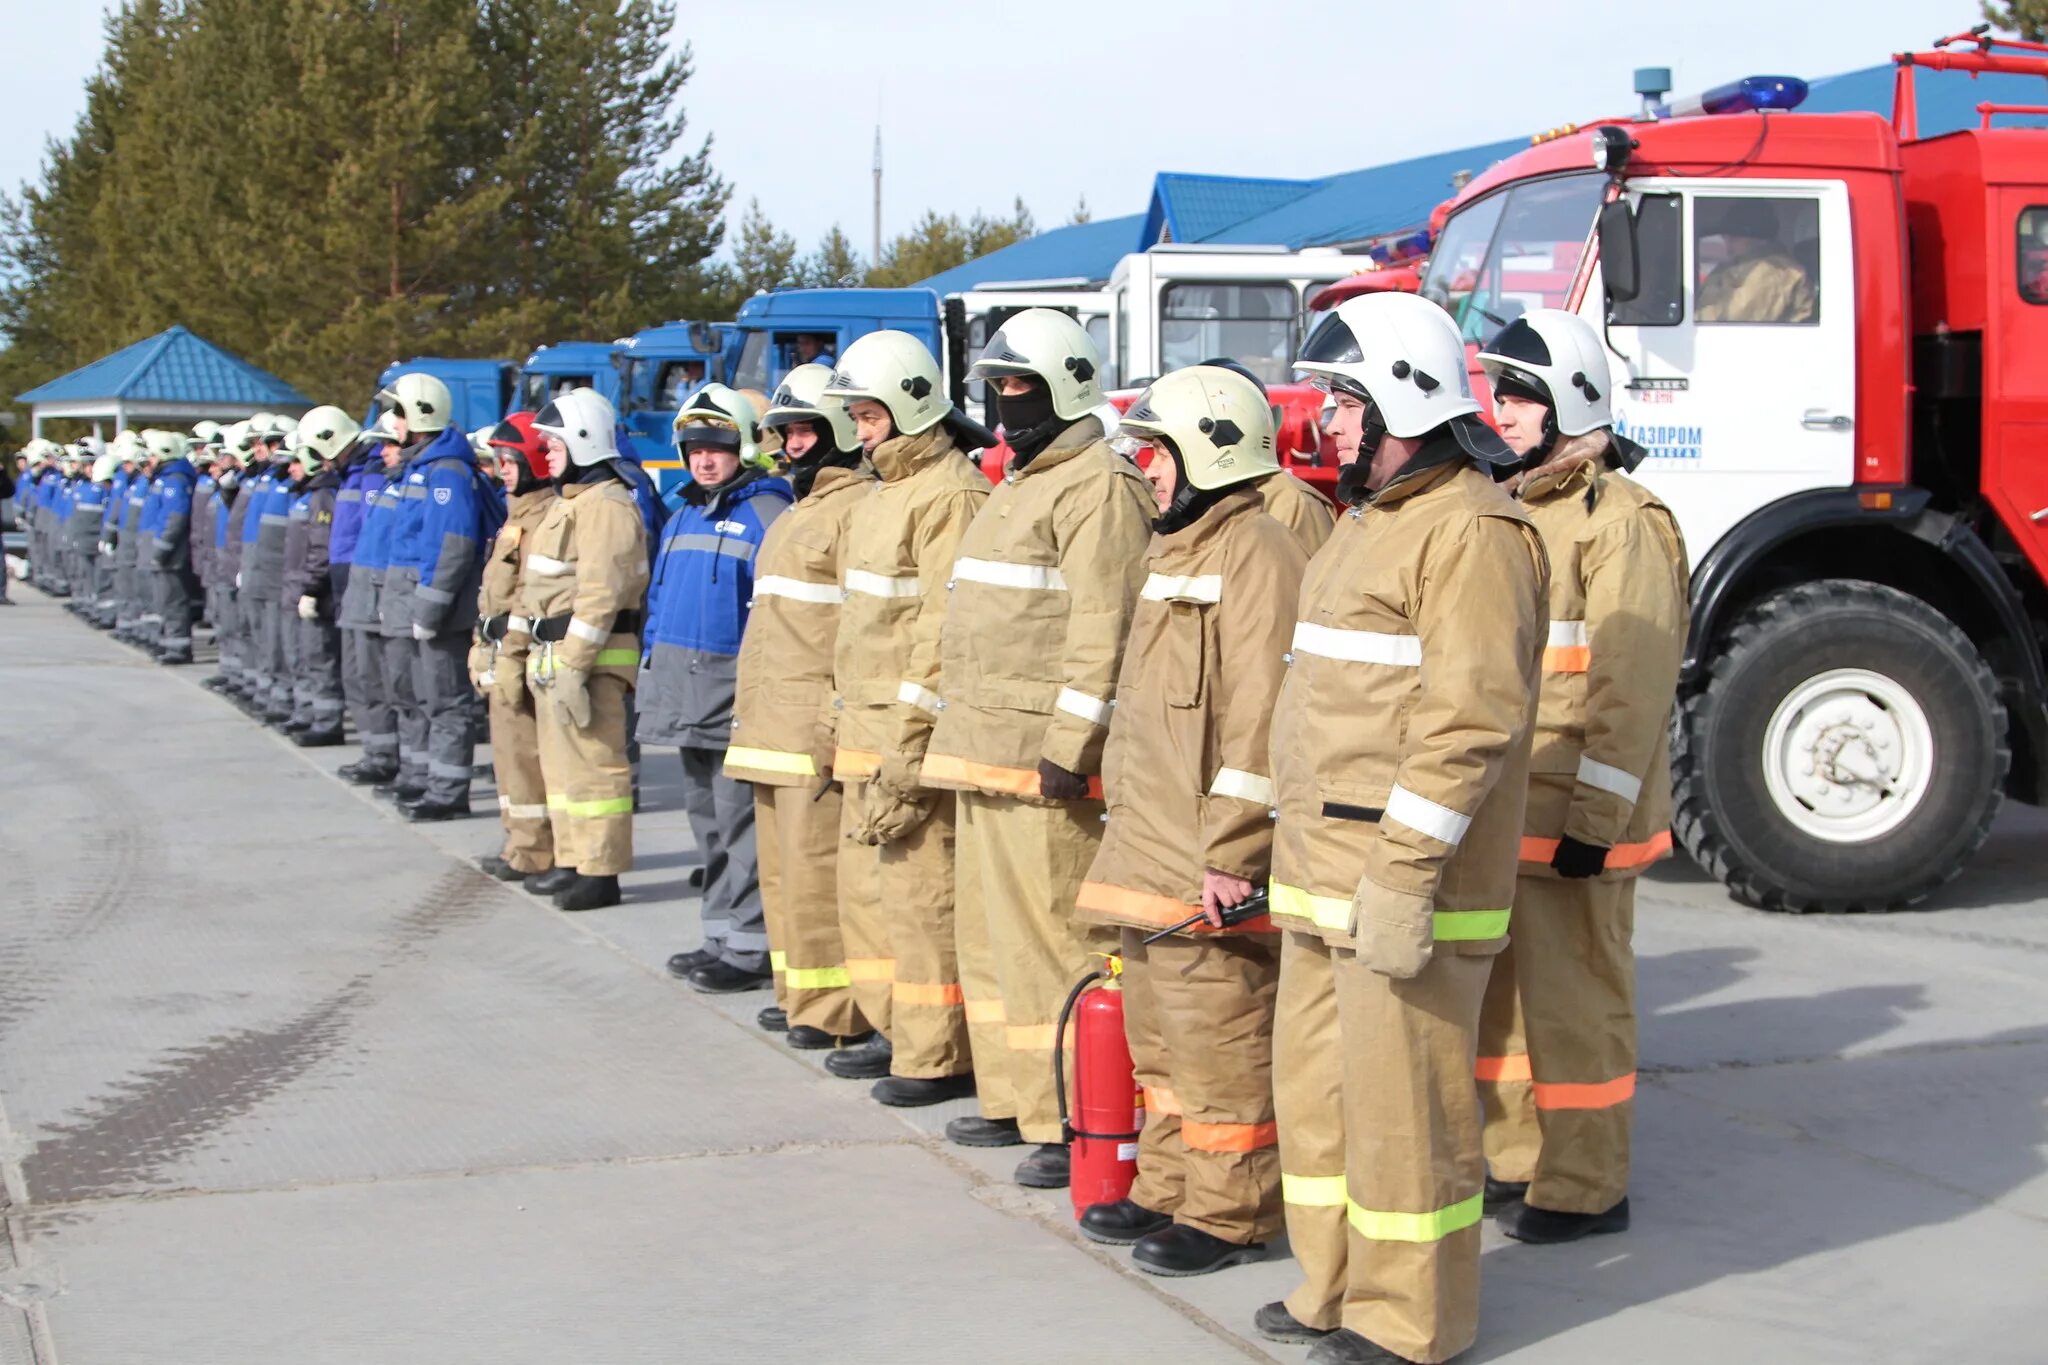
1617,231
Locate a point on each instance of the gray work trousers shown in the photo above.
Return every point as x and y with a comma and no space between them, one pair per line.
319,677
441,682
280,619
256,616
721,814
103,603
398,654
362,682
177,602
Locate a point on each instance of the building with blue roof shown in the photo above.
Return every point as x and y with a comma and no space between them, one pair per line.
1075,252
175,375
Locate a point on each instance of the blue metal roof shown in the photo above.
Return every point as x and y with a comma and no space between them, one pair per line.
1199,208
1362,204
1947,100
1083,251
174,366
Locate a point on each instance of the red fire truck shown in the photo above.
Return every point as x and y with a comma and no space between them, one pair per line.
1831,333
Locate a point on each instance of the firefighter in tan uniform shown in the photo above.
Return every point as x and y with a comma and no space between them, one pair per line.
1040,599
784,679
1599,789
1287,499
583,589
1186,774
901,834
1400,760
522,459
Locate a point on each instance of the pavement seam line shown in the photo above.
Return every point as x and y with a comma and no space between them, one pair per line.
1930,1049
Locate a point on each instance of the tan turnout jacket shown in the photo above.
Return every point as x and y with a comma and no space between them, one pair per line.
1040,600
498,588
1601,767
1401,737
587,560
899,550
785,663
1186,770
1299,508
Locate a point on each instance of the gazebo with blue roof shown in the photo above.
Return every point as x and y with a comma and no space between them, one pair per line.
174,375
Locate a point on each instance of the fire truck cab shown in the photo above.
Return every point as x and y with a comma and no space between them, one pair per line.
1826,331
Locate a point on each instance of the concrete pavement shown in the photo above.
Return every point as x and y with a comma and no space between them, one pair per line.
282,1078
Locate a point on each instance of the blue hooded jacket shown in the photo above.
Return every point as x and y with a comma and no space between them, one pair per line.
172,526
365,476
449,514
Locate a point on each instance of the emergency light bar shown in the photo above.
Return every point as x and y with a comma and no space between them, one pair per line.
1399,249
1751,94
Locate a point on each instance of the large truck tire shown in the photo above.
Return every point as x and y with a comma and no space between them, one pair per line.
1846,751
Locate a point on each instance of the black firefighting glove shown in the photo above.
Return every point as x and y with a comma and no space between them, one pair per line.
1576,860
1057,784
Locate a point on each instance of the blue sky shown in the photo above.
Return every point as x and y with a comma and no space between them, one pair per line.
1055,99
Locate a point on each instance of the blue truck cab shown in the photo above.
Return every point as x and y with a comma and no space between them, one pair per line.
781,330
566,365
657,369
482,389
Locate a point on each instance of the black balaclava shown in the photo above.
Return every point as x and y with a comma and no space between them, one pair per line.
1189,502
1029,423
826,454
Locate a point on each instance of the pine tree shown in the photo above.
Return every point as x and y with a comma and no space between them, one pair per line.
2027,19
834,265
763,258
935,243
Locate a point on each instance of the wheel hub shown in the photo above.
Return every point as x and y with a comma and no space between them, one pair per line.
1848,755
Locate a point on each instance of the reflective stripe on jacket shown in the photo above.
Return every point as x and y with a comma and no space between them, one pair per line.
1401,738
1041,597
785,661
905,539
1187,771
1601,767
499,592
586,560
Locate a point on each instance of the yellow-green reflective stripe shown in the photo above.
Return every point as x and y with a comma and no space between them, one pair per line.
1462,926
777,959
588,810
1313,1191
816,978
1325,912
618,658
1416,1227
771,761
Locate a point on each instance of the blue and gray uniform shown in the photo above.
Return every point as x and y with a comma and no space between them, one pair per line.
316,675
170,556
130,603
363,643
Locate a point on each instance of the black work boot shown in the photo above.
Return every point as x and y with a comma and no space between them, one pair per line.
1501,1193
317,739
426,809
809,1039
494,866
774,1019
722,978
1542,1227
1121,1223
366,773
1179,1250
915,1092
549,882
682,964
1275,1323
1045,1169
1346,1347
588,893
868,1062
976,1131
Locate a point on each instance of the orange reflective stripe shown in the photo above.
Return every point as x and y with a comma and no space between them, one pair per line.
1514,1067
928,993
985,1011
1567,658
871,968
1535,850
1157,911
1598,1095
1161,1101
855,763
989,777
1228,1137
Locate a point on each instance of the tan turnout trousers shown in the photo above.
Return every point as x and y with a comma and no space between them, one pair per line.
914,882
589,782
1580,1049
522,791
796,834
863,919
1198,1012
1507,1104
1380,1146
1019,867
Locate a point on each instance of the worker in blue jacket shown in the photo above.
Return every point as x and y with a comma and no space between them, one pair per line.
696,613
82,529
169,551
131,597
372,685
106,598
449,513
254,585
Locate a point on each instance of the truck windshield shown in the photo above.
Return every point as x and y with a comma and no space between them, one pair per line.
752,371
1251,323
1513,251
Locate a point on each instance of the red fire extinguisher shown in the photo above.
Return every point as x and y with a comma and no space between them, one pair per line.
1108,1110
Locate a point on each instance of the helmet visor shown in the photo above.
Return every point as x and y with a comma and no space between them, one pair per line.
706,431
